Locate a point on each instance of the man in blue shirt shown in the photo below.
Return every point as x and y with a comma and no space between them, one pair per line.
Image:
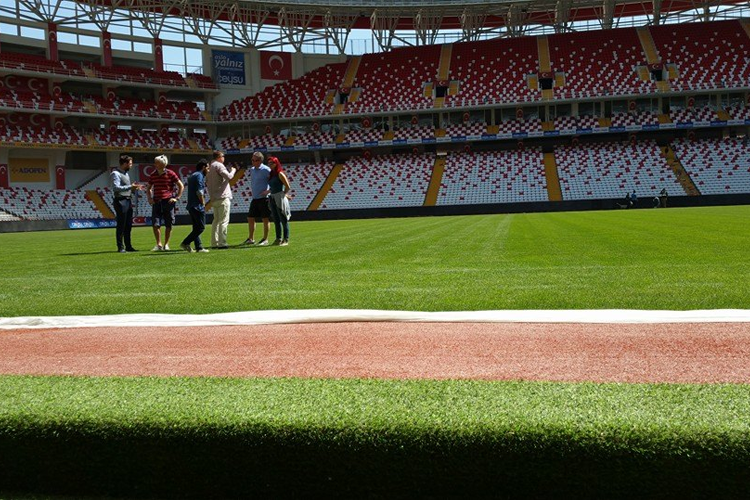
196,185
259,205
123,191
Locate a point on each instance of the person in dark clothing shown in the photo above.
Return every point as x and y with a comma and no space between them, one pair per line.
196,205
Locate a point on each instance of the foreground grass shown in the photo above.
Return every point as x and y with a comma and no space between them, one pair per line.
678,259
199,438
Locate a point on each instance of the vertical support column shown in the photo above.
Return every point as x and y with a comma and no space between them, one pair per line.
107,48
158,55
52,50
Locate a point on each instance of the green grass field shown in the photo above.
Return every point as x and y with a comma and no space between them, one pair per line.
232,438
680,259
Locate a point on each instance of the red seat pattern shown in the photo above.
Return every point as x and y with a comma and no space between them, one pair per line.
716,166
707,56
609,170
395,80
598,63
494,71
301,97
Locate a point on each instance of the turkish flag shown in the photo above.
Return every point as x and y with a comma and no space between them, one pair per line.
60,177
4,176
275,65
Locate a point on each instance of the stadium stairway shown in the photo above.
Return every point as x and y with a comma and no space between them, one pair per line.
674,163
240,174
351,71
542,44
446,51
649,47
430,199
746,26
553,180
326,187
100,204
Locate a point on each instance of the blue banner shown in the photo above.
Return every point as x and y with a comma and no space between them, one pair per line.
91,223
551,133
229,67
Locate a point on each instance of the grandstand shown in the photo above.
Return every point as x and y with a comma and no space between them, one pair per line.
508,114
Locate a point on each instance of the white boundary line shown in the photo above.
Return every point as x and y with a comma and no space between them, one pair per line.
602,316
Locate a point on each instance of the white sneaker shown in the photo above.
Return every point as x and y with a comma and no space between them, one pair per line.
186,248
166,248
276,243
284,243
157,248
263,242
203,250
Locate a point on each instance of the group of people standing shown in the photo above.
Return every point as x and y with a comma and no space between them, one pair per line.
269,187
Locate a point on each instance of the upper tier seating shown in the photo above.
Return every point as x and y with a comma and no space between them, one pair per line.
712,55
610,170
494,177
635,118
151,139
301,97
39,64
315,138
494,71
466,129
529,125
704,114
38,101
395,80
41,135
739,112
598,63
383,181
716,166
168,110
573,123
34,204
364,135
415,132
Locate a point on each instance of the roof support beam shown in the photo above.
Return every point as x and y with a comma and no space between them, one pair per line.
608,14
562,15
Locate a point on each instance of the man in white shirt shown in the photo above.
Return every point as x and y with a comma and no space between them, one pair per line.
220,196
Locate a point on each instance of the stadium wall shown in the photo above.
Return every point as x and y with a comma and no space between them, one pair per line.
377,213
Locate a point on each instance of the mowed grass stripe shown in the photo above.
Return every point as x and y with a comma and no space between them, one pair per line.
677,259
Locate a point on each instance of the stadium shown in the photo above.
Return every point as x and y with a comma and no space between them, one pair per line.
469,305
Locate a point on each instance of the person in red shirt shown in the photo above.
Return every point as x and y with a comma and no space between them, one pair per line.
162,197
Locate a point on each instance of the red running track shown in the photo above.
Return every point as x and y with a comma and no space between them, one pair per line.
675,352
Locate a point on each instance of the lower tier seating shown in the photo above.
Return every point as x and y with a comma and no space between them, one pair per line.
610,170
716,166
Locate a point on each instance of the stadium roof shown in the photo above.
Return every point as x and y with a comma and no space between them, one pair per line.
426,18
296,24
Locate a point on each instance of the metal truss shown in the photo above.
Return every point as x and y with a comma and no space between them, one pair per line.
304,25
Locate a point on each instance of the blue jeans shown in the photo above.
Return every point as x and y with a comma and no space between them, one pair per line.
198,216
279,221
